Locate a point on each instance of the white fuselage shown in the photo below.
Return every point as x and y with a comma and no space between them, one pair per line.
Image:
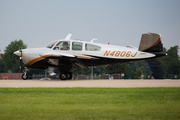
68,54
30,56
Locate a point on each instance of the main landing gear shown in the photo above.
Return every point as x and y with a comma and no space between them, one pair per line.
65,76
24,75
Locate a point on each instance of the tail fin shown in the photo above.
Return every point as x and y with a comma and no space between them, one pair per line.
151,42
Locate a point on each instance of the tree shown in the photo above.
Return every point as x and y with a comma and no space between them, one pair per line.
167,66
140,66
118,69
10,60
170,64
174,63
2,66
138,73
99,70
96,71
155,68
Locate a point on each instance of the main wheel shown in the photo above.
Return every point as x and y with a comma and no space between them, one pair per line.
63,76
69,75
24,76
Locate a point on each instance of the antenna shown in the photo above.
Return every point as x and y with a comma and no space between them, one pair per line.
93,39
68,37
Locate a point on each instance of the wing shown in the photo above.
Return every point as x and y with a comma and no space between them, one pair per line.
64,58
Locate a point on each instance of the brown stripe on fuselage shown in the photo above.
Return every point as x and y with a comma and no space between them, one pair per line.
39,58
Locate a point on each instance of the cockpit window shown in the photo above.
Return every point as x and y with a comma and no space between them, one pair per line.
63,45
90,47
50,45
77,46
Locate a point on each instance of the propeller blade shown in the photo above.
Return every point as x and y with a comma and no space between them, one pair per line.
20,50
20,59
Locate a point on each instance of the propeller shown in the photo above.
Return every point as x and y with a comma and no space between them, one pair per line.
20,59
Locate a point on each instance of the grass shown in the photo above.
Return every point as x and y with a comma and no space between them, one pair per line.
89,103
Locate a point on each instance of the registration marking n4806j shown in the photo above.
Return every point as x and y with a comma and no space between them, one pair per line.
120,53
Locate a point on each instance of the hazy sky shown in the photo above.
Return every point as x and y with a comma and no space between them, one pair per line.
120,22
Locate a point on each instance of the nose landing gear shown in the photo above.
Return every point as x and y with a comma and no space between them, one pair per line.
24,75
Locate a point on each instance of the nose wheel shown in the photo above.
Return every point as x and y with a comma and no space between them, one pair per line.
24,75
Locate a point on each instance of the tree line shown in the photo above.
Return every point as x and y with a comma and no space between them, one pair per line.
167,67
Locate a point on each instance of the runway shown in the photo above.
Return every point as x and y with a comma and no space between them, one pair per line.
90,83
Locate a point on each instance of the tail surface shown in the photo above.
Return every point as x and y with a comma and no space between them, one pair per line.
151,42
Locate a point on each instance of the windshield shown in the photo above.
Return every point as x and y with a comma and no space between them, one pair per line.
63,45
50,45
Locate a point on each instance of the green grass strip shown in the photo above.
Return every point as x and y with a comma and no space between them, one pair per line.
90,103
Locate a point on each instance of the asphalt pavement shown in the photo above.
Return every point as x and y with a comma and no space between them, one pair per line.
90,83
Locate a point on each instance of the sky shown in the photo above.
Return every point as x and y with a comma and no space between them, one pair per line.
120,22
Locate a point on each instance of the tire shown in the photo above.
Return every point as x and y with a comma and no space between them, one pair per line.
24,76
63,76
69,75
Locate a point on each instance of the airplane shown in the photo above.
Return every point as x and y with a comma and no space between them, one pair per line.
68,54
